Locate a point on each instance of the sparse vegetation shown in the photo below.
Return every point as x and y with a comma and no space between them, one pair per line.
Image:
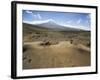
44,48
25,48
88,44
46,43
71,41
30,60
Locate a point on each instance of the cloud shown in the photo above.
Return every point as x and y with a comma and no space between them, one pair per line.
79,21
29,12
39,16
78,27
69,22
39,21
88,19
35,16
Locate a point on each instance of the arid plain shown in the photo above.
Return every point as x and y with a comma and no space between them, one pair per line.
47,48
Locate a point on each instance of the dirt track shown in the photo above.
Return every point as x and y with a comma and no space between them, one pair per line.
63,54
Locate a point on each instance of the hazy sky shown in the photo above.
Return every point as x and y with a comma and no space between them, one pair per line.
64,18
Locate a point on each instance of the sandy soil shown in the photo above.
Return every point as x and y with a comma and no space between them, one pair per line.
63,54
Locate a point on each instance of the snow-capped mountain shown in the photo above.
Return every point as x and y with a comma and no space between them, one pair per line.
51,24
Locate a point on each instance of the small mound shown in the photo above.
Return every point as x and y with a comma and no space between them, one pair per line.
48,43
26,47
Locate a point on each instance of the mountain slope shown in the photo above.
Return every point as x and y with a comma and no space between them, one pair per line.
50,25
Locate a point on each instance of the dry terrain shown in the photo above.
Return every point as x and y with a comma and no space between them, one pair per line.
44,48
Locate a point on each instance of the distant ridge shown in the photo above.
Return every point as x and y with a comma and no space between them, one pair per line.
52,25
